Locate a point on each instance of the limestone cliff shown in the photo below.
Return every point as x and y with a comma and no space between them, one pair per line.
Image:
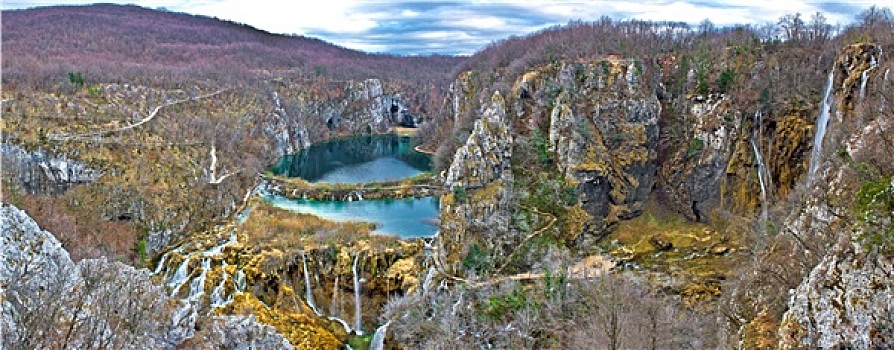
603,128
39,173
845,301
477,210
50,301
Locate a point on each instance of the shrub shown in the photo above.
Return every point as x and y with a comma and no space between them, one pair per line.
476,259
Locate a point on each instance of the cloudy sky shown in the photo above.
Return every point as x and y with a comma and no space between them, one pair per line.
463,27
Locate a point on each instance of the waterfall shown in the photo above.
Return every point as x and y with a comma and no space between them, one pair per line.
217,295
426,283
358,319
218,249
863,79
161,263
239,281
342,322
378,341
180,276
197,287
821,122
351,195
761,172
308,292
333,306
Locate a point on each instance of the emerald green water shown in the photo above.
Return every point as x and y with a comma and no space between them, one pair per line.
360,159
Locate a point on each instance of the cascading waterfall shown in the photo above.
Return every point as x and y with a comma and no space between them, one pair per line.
218,249
358,319
197,286
161,263
426,283
217,295
180,276
822,122
378,340
308,292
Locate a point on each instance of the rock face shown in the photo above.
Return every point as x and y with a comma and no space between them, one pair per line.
695,166
40,173
846,302
48,300
240,333
604,130
304,113
477,211
485,156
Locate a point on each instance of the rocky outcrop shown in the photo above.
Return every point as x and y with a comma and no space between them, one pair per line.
48,300
477,210
485,156
377,109
603,128
846,302
289,135
696,165
40,173
239,333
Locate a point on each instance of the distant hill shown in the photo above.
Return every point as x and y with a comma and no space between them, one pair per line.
116,42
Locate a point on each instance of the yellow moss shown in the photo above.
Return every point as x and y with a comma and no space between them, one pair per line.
760,333
302,330
699,252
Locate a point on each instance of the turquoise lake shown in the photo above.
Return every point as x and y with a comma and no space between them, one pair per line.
406,218
363,159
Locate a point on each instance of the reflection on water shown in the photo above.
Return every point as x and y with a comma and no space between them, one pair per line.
406,218
355,159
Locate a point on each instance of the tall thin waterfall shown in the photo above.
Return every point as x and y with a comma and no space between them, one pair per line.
864,78
333,306
822,122
378,340
308,292
358,319
761,172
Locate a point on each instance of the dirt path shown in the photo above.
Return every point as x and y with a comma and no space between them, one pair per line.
67,137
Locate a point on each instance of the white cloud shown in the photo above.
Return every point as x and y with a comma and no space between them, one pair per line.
367,24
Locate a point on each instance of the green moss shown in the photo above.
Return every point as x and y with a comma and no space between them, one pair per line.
499,305
874,208
477,259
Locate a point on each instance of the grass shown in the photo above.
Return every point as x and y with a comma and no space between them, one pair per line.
701,253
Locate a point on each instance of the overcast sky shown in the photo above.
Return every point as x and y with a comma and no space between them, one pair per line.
463,27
